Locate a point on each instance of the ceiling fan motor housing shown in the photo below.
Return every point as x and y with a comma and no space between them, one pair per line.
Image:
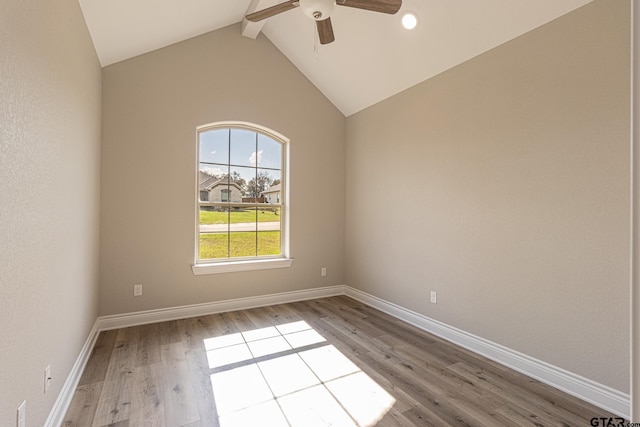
318,10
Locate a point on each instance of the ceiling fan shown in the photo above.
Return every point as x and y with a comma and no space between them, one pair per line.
320,11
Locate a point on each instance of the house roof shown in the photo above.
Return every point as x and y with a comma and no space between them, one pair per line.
272,189
205,179
209,182
372,58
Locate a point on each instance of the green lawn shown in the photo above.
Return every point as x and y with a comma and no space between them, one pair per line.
216,245
234,217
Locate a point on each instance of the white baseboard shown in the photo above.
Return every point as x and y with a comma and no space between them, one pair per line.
173,313
60,407
104,323
600,395
597,394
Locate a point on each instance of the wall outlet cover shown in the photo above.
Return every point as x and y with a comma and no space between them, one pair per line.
434,297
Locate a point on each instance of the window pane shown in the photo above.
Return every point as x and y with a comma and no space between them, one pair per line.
214,215
269,152
214,232
241,176
242,243
268,215
220,192
214,245
273,176
256,185
269,227
268,243
243,147
214,146
243,219
272,192
210,173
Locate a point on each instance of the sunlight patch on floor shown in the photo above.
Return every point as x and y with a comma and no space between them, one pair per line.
286,376
233,348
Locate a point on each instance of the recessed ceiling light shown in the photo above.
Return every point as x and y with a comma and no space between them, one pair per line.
409,20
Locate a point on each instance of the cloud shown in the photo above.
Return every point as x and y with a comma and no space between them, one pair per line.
253,159
213,171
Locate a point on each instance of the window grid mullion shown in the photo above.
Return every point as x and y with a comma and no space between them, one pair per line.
229,208
257,195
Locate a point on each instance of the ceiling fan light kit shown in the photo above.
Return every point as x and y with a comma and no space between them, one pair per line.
318,10
321,10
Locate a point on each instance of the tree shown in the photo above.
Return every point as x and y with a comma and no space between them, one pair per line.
235,177
258,185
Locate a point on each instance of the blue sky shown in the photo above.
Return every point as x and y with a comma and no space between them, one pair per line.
249,150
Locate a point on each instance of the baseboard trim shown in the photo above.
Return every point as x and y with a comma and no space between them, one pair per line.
183,312
60,407
104,323
597,394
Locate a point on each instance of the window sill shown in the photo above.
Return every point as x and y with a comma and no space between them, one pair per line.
233,266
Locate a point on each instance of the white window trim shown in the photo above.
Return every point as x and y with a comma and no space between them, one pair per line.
243,265
246,264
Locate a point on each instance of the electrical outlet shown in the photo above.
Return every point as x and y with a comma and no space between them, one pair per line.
47,378
137,290
434,297
21,419
323,271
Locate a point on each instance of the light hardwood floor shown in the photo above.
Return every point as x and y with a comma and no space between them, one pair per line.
330,361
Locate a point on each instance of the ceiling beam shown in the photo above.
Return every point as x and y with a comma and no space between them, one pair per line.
252,29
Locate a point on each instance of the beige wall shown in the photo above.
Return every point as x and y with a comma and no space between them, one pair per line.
49,211
506,190
152,105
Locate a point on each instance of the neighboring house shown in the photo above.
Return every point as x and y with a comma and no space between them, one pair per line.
272,195
216,189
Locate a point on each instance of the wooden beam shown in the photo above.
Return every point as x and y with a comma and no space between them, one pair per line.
252,29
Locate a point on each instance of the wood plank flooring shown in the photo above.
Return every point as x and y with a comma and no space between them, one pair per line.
330,361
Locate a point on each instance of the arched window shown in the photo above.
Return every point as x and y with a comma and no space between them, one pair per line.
242,167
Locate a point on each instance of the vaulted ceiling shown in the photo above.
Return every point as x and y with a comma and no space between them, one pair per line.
372,58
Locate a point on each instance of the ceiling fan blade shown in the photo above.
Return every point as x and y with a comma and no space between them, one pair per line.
273,10
325,31
383,6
